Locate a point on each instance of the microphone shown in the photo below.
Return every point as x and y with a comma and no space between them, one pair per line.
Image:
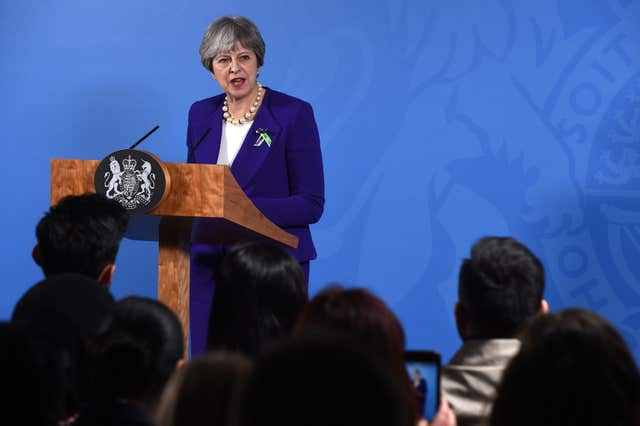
202,138
144,137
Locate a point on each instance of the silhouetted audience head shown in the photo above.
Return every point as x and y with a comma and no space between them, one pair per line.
31,393
63,313
367,320
360,314
202,392
133,361
574,369
260,291
500,286
321,380
81,234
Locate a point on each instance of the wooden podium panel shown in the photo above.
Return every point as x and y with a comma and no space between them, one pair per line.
208,193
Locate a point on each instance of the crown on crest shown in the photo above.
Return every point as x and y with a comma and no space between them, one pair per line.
129,163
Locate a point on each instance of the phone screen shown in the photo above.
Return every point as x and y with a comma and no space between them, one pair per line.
423,368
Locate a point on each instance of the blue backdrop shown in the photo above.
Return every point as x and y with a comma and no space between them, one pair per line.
441,121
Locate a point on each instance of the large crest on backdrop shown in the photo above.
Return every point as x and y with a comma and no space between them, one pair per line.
136,179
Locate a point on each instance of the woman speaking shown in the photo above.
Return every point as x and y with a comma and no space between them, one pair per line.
268,139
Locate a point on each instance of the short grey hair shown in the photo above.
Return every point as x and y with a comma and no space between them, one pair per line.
222,35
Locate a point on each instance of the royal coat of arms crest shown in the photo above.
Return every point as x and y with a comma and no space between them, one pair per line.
131,178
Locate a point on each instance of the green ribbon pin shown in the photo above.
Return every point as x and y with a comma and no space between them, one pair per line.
264,137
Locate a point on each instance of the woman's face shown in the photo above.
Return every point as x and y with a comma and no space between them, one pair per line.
236,71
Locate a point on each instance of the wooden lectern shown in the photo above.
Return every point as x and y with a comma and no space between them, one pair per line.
207,192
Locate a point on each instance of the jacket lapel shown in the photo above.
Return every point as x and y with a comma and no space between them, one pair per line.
250,157
212,144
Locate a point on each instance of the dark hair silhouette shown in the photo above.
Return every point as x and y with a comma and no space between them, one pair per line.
366,319
260,290
81,234
202,391
135,357
574,369
63,313
361,315
32,392
318,379
500,286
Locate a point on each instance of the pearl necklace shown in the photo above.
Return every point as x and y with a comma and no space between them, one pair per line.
248,116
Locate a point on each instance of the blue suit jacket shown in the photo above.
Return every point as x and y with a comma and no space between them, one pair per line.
285,181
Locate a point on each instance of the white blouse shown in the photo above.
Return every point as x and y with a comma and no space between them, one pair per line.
231,140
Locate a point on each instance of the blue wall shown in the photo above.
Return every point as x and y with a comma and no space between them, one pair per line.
441,121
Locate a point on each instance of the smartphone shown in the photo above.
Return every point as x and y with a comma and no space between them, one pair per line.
423,368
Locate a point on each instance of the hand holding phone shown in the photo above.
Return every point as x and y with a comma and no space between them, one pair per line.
423,368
